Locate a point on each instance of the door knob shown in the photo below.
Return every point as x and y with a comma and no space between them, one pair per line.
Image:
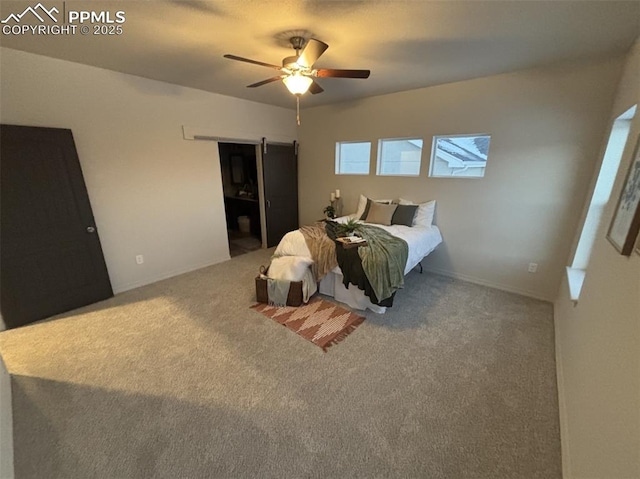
91,229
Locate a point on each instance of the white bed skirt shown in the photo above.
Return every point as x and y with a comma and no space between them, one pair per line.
331,285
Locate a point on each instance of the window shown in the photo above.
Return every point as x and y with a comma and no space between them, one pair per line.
399,156
352,157
599,199
463,156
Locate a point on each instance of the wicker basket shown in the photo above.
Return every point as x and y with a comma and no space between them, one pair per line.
293,299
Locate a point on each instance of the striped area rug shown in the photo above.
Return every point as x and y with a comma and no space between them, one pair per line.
319,321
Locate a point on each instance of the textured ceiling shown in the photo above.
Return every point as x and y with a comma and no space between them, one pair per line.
405,44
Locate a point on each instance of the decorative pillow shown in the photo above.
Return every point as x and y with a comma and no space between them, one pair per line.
404,215
381,214
424,215
366,210
362,206
289,268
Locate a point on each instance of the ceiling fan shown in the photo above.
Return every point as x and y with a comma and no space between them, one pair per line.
297,72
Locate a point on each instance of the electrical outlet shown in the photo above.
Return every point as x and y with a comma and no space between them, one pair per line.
139,259
533,267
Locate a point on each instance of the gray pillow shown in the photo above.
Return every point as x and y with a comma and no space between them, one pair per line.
380,214
404,215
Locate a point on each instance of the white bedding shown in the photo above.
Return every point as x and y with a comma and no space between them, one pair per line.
421,241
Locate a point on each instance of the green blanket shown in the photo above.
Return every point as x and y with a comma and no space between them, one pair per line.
383,260
277,292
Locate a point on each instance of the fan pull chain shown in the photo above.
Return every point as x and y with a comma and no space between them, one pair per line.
298,109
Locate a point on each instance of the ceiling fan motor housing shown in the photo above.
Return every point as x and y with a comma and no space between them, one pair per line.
297,43
290,62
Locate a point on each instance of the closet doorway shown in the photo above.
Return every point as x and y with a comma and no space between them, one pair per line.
239,165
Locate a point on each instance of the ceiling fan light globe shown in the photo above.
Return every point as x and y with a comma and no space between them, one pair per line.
297,84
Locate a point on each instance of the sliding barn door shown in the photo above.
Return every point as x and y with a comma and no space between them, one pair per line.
51,260
280,171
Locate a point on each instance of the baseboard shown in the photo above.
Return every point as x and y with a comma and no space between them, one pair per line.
562,404
154,279
490,284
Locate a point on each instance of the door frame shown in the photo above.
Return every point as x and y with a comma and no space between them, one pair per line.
261,202
218,134
258,142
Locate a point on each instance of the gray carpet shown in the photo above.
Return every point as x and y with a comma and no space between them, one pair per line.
180,379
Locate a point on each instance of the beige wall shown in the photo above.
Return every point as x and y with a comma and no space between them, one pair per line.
153,193
598,341
6,424
546,125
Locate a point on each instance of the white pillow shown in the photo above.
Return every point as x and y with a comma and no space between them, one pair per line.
424,215
362,205
289,268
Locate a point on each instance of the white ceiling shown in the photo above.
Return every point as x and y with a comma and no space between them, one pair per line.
406,44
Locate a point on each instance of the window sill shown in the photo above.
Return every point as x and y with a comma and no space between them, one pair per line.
403,175
575,278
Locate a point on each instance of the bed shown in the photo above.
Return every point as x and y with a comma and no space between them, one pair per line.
421,239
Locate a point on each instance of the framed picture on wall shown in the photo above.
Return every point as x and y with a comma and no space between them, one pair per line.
625,225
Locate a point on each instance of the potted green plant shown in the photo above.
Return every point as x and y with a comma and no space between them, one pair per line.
349,227
330,212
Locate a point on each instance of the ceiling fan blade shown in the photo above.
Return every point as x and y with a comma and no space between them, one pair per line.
246,60
311,52
264,82
330,72
315,88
